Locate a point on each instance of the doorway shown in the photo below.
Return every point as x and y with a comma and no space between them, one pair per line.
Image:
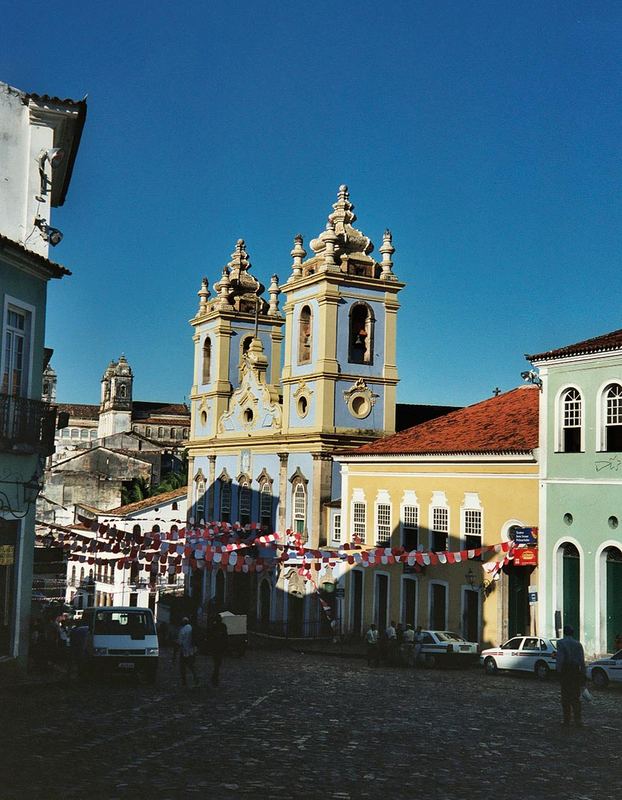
382,601
519,614
8,552
357,602
470,615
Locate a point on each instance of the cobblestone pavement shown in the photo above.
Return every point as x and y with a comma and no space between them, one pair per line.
291,725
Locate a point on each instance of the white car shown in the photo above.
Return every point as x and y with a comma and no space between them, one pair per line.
606,669
524,653
445,647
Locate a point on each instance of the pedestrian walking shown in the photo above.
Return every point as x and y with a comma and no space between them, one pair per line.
570,663
187,651
78,636
217,640
371,641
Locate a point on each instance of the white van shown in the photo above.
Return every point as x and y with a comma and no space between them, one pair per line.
121,638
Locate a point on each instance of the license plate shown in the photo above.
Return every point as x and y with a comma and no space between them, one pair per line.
126,665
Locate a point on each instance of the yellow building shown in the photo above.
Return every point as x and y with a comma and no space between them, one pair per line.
463,481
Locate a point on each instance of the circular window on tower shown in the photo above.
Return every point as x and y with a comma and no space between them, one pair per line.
360,406
302,406
613,522
568,519
248,415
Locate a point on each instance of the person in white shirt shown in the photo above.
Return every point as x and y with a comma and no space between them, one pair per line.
371,638
187,651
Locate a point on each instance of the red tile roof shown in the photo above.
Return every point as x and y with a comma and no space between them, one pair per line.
599,344
148,502
79,410
504,424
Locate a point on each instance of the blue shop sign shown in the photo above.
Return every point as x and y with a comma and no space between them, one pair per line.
526,536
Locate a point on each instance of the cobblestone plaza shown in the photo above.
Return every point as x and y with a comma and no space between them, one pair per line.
288,724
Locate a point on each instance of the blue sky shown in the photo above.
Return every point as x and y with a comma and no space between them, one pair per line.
485,135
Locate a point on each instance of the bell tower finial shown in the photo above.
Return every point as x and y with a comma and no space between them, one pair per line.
387,251
298,254
203,294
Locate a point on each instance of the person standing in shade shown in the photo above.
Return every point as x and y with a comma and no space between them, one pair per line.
391,636
418,644
570,664
371,640
187,651
217,641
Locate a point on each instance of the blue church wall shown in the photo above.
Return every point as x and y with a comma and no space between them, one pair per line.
309,420
343,417
335,493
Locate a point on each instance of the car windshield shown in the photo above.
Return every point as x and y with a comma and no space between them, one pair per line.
125,623
448,636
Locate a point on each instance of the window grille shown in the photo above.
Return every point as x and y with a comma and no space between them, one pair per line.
358,520
410,527
383,523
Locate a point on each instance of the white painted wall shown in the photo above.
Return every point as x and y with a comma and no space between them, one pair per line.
21,141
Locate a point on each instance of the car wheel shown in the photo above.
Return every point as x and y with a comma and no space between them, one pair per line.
541,670
490,666
600,678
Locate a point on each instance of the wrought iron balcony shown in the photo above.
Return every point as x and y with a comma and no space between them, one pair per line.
26,426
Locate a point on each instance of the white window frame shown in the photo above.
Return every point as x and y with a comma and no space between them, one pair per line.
471,503
30,312
336,526
560,415
409,500
358,527
299,490
383,501
439,501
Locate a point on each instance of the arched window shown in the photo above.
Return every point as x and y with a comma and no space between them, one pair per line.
174,507
73,576
185,433
81,575
613,418
84,433
571,419
122,391
75,433
136,530
244,502
200,499
207,359
361,336
299,504
225,500
160,433
148,431
304,336
265,505
172,435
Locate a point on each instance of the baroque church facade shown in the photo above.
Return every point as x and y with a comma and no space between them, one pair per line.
280,388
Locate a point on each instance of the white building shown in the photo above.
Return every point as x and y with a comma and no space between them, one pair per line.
102,582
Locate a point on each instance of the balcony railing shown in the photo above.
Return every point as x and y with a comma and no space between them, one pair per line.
26,426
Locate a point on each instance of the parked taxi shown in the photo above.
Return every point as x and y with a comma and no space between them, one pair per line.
443,648
604,670
523,653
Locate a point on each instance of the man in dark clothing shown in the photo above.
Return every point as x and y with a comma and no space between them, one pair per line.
217,638
571,668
